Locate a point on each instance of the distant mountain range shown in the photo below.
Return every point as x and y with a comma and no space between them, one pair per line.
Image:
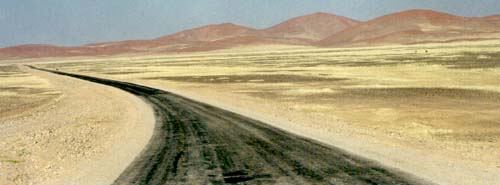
416,26
318,29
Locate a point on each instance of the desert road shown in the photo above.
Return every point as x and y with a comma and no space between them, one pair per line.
196,143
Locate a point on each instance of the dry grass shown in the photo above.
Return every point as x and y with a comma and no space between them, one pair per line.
20,91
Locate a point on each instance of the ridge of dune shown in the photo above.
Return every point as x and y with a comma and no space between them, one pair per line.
312,27
317,29
410,27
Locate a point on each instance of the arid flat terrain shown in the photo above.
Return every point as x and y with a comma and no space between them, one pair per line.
57,130
21,90
196,143
427,109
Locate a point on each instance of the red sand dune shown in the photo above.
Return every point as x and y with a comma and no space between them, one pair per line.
33,50
191,40
300,30
411,27
209,33
321,29
493,17
312,27
209,37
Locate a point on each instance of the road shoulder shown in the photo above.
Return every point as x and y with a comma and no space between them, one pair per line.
89,136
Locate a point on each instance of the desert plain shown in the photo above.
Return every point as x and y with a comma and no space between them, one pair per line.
428,109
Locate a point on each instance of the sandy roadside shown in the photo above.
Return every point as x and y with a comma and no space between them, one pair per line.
87,136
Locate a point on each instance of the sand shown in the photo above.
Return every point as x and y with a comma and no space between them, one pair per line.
88,135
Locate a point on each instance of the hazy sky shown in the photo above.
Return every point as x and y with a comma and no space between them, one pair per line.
75,22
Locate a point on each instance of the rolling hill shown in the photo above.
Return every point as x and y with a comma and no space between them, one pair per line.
414,26
318,29
310,28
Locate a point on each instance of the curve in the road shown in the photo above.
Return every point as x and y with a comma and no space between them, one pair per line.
196,143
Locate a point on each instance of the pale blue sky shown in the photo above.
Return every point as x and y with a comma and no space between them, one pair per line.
75,22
